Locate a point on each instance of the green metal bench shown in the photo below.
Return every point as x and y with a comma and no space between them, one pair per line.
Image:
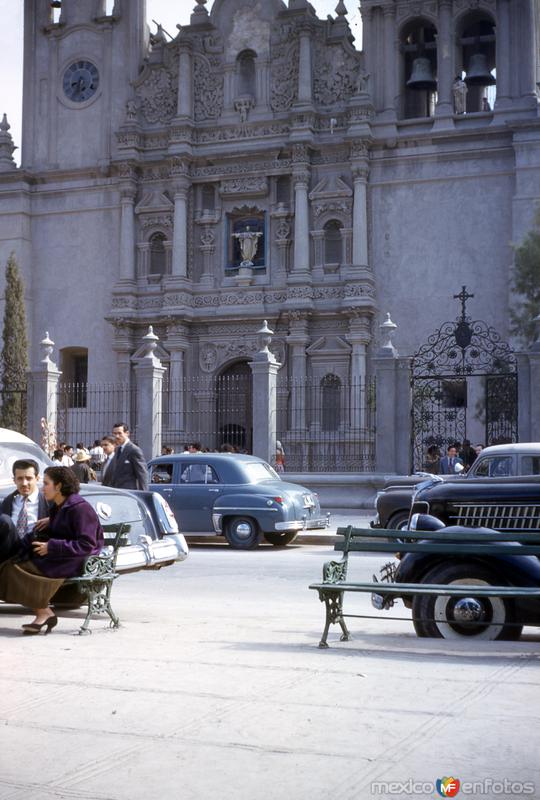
334,583
94,585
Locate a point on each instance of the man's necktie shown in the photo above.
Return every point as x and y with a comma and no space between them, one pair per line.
22,519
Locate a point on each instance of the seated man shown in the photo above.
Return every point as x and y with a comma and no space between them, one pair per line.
21,509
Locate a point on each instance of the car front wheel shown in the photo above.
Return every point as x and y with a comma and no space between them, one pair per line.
242,533
281,539
473,617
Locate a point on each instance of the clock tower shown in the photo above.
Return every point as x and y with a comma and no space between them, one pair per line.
80,57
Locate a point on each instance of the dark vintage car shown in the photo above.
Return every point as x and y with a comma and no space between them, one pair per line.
240,497
475,616
153,539
499,465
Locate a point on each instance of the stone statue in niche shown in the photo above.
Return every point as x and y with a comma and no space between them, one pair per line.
249,244
459,90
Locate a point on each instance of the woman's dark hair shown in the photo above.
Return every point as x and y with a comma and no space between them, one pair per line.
67,479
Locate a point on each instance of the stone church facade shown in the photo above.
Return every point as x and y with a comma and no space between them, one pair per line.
143,158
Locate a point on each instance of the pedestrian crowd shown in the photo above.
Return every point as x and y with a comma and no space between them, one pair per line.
458,458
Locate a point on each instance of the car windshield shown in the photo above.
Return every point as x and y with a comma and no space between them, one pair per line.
257,471
12,451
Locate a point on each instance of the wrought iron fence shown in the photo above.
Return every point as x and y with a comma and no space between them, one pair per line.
327,425
87,411
213,411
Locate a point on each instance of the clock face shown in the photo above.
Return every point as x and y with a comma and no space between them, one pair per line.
81,81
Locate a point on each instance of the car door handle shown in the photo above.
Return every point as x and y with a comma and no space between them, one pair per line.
167,491
213,490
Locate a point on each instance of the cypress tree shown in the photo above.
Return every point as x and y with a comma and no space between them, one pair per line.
526,284
14,356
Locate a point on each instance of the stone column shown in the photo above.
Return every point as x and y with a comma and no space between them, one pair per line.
185,81
177,345
265,368
180,237
359,338
127,232
503,54
305,91
360,171
445,61
390,71
300,270
298,340
42,394
149,373
525,60
386,372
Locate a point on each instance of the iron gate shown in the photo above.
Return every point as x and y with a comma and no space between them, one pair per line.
464,384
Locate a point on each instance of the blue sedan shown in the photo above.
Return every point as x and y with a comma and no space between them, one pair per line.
240,497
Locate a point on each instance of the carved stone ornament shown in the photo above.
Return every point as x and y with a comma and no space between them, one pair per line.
158,95
339,206
208,357
208,87
245,186
336,74
283,231
462,5
284,74
300,153
428,8
148,221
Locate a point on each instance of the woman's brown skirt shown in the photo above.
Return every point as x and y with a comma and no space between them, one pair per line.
22,582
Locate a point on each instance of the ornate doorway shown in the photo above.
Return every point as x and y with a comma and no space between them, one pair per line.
234,412
464,386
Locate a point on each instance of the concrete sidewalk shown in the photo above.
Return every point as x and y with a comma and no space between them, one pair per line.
214,688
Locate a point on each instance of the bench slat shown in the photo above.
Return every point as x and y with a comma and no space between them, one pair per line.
471,535
472,548
456,590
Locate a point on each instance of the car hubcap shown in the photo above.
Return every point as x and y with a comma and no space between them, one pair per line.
243,530
468,609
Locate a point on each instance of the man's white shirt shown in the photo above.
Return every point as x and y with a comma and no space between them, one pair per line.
32,506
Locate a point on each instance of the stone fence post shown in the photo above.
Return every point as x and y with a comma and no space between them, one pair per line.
393,412
264,368
149,373
42,394
534,394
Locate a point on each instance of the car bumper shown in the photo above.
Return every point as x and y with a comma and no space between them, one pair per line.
149,553
303,524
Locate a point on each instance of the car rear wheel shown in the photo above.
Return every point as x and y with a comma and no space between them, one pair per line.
473,617
281,539
242,533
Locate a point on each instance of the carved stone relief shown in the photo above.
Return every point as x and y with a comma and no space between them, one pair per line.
245,186
208,86
213,356
157,95
336,73
284,74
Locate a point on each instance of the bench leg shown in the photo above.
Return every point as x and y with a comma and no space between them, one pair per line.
98,601
115,621
334,613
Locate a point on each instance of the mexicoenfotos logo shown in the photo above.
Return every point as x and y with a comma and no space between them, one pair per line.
447,787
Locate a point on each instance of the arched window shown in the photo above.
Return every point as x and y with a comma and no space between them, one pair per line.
476,37
330,403
208,197
158,254
419,48
333,247
246,82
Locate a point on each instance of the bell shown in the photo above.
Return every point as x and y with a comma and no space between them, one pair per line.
478,73
421,75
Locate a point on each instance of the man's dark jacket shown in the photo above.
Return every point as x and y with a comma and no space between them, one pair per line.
9,538
127,470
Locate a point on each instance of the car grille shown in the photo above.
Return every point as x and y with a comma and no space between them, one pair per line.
506,517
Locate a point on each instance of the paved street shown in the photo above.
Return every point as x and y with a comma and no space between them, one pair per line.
214,688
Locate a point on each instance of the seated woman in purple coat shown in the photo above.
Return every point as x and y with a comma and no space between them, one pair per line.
72,534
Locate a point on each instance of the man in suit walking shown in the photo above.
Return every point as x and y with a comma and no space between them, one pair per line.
450,461
127,469
22,508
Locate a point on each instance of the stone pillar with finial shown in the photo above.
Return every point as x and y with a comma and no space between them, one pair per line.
264,367
149,372
43,392
7,147
393,410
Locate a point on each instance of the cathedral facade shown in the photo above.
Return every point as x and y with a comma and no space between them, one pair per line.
260,165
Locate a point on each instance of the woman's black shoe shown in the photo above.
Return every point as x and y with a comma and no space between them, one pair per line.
32,628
